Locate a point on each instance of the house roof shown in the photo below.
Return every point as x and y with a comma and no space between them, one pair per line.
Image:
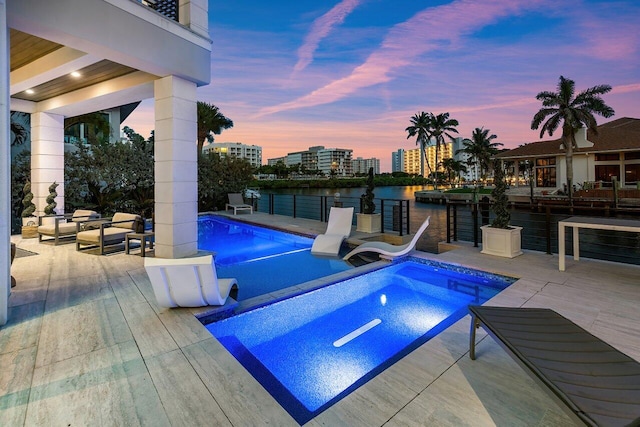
618,135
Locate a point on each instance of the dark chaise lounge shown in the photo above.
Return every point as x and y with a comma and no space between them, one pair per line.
595,383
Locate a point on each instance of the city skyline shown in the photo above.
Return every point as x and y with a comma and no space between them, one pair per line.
351,73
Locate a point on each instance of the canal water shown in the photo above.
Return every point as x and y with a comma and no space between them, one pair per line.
539,232
418,212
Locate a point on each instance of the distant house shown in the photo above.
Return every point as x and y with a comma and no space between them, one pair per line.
613,152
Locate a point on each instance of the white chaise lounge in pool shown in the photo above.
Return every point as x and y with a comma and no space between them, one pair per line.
388,250
338,229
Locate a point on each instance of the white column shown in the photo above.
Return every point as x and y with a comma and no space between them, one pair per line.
5,165
176,168
47,159
195,15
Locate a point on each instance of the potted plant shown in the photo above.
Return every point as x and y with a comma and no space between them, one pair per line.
368,221
50,209
29,223
499,238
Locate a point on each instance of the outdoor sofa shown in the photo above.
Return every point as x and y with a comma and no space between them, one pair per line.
104,232
595,383
63,226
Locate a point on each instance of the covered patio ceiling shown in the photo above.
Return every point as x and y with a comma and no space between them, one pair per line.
65,62
29,51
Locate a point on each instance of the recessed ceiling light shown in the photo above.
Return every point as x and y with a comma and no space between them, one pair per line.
75,74
29,91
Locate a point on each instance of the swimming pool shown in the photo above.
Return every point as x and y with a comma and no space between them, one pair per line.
263,260
311,350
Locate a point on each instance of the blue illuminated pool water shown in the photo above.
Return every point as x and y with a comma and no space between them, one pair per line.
263,260
311,350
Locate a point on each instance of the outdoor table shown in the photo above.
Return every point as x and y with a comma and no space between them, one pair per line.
143,237
577,222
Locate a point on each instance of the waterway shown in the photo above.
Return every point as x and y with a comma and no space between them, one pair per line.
418,212
539,232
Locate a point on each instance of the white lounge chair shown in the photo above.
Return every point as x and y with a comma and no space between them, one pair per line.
338,228
236,202
388,250
187,282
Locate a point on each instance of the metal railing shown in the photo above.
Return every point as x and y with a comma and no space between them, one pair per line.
168,8
395,215
540,229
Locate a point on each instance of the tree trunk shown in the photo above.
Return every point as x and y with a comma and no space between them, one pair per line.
435,175
569,138
426,160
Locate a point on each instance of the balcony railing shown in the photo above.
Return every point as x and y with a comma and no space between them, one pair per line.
394,212
540,229
168,8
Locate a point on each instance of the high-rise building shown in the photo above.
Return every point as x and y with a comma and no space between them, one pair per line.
252,153
397,161
413,161
361,166
276,160
330,161
335,161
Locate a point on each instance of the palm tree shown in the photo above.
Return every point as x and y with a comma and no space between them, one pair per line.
421,129
453,167
480,150
573,113
210,120
441,126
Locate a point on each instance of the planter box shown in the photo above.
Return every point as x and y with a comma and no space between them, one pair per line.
501,241
369,223
29,231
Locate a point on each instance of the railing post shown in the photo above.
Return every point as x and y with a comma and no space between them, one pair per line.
448,222
408,219
455,222
475,225
547,225
382,215
294,205
400,218
271,203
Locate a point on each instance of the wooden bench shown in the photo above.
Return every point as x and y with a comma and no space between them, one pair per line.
596,384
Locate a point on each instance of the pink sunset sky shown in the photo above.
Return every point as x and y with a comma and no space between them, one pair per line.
351,73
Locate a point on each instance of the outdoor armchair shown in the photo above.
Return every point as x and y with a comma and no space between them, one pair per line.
101,233
63,226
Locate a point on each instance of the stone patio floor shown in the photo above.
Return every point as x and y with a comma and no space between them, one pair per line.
86,344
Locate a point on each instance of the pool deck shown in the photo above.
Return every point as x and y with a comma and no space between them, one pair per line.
86,344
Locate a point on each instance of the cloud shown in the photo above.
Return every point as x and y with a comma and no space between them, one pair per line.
634,87
431,29
320,29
